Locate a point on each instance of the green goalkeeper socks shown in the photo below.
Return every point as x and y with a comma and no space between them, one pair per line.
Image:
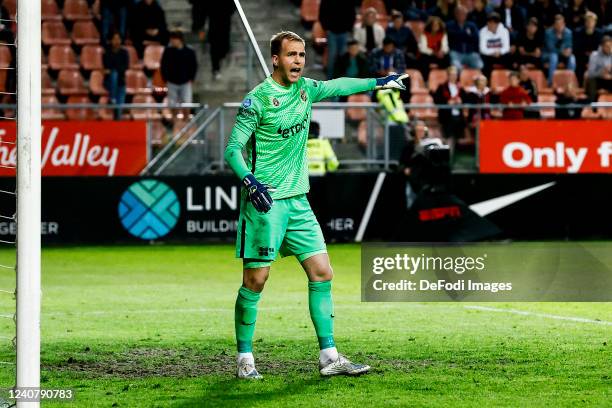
322,312
245,316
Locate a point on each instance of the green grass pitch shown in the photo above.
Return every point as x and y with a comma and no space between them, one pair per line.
152,326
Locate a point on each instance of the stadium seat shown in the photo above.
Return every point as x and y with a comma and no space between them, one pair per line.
562,77
319,37
62,57
160,87
417,83
379,5
309,11
158,133
136,82
91,57
50,11
80,113
587,113
76,10
152,57
357,114
606,113
144,114
547,113
70,82
5,56
54,33
436,77
46,83
134,60
539,78
51,113
467,76
500,79
423,113
11,6
103,112
84,33
44,64
96,83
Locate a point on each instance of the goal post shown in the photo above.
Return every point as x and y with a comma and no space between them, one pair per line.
28,195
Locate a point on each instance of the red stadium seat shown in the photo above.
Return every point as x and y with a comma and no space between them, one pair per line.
135,62
84,33
80,113
417,83
136,82
357,114
562,77
547,113
51,113
96,83
436,77
103,112
309,11
379,5
62,57
160,87
423,113
500,79
91,57
11,6
152,56
606,113
539,78
46,83
467,76
54,33
144,114
70,82
76,10
50,11
319,36
5,56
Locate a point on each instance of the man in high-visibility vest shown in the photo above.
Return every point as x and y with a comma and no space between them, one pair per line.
321,156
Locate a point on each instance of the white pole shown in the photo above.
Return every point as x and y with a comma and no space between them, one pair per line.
247,26
28,196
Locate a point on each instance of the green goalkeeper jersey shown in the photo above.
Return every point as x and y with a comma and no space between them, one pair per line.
272,123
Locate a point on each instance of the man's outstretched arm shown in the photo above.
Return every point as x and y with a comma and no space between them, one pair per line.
349,86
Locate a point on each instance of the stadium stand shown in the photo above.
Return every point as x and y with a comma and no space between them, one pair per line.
91,57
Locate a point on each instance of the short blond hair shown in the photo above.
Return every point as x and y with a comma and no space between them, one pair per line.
277,40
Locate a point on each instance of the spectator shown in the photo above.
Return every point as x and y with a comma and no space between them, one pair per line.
409,159
386,59
529,44
479,13
449,93
569,96
444,9
558,47
586,40
600,69
575,14
219,33
478,94
417,10
514,95
400,34
530,86
433,45
321,156
337,18
494,44
369,34
199,14
178,67
513,17
545,11
148,25
114,17
116,61
353,63
463,41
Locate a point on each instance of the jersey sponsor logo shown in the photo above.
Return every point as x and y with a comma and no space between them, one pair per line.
303,95
294,129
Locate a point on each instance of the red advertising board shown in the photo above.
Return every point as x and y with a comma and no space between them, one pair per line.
547,146
82,148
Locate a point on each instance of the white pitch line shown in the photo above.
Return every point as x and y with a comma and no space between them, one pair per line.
544,315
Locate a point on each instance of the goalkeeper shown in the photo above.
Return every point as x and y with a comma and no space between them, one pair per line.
275,216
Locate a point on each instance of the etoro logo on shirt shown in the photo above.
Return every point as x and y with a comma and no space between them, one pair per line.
294,129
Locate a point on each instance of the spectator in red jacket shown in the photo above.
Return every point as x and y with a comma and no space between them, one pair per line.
514,95
449,93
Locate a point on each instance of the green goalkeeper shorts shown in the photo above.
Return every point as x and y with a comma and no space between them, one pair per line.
289,228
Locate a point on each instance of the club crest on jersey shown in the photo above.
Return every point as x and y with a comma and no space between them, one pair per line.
275,102
303,95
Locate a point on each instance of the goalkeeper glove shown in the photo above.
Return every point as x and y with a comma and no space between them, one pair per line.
393,81
258,194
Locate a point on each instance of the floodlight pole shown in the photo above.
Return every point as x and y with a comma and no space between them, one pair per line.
28,195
